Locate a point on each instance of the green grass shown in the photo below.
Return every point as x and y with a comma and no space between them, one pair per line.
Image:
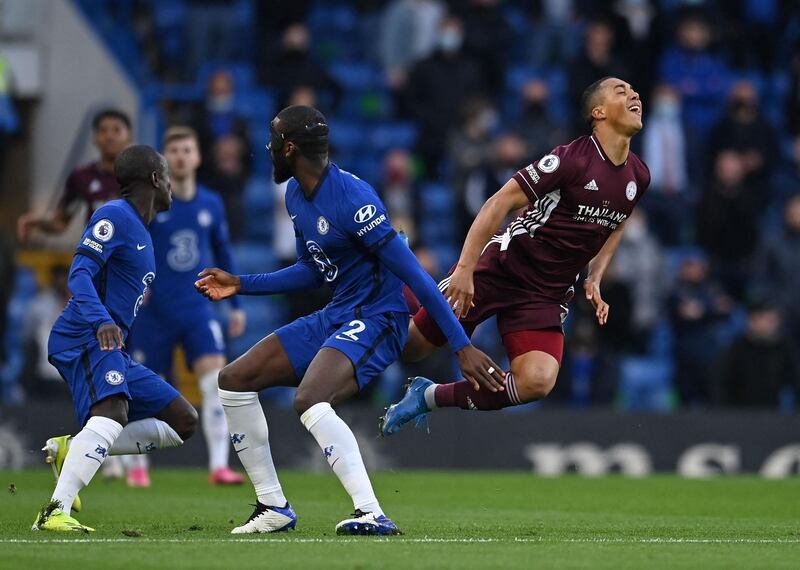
450,520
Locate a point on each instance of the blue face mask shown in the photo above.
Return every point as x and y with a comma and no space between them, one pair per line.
450,41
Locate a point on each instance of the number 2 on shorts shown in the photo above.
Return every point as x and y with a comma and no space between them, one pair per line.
352,334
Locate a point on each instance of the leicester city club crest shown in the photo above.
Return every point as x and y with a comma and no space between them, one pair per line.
630,190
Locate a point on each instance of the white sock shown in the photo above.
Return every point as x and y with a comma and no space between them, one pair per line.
341,450
86,454
215,427
430,397
144,436
250,438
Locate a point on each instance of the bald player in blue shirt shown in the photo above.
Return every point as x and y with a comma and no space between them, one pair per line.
344,239
123,408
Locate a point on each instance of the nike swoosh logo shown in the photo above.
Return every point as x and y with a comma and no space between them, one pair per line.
292,217
90,457
240,450
140,247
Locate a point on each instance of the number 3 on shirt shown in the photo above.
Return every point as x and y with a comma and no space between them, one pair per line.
352,333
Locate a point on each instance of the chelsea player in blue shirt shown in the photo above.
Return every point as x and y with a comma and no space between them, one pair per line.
193,234
123,408
345,239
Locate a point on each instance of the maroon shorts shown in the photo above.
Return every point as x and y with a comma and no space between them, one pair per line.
523,326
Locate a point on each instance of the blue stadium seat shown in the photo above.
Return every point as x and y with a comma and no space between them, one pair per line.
437,199
256,104
646,384
397,134
347,135
254,257
361,76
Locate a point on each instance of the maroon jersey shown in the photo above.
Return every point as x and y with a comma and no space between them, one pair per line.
577,198
90,185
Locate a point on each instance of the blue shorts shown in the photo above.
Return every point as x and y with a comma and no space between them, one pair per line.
154,338
93,375
371,343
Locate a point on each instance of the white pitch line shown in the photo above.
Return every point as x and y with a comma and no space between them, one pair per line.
423,540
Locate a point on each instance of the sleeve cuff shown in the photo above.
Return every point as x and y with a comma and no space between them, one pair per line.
526,186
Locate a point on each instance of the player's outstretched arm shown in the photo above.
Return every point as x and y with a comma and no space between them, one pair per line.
216,284
597,268
461,289
52,223
476,366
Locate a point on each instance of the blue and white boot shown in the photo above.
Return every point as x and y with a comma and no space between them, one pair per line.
268,519
412,406
367,524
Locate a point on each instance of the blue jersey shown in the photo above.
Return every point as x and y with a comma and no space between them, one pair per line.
341,225
188,237
114,265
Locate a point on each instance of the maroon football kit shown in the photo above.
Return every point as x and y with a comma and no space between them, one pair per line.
526,275
91,185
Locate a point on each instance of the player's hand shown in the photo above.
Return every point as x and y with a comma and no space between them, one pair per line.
237,321
480,370
460,292
24,224
592,289
110,338
216,284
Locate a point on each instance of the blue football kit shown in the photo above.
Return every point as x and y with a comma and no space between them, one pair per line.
114,265
345,239
190,236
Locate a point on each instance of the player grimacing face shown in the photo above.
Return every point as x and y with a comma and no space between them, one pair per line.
111,137
621,107
183,157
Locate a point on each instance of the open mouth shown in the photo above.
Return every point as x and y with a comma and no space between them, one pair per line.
636,109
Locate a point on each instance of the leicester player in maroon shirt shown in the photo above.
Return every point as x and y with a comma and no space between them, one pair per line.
576,201
92,184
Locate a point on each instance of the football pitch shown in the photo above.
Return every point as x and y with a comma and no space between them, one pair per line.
449,519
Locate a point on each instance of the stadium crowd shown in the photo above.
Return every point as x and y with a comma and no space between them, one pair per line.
437,103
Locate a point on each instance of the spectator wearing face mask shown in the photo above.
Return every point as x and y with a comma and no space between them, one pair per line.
664,151
469,144
744,129
728,219
438,86
760,365
534,125
293,65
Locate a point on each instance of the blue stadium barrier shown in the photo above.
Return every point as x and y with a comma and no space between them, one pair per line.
397,134
346,134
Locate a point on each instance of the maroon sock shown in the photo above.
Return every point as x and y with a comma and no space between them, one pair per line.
462,395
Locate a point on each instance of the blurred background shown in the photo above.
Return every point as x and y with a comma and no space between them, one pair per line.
436,103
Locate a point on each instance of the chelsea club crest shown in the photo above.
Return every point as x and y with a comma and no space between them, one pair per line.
323,226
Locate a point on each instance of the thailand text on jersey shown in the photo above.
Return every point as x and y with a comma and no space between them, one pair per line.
577,198
118,241
191,235
341,224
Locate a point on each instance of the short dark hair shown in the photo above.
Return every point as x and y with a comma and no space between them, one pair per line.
306,127
135,164
589,98
111,114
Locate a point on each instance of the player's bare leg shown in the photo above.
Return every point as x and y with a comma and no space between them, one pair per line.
417,346
215,426
263,366
329,380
